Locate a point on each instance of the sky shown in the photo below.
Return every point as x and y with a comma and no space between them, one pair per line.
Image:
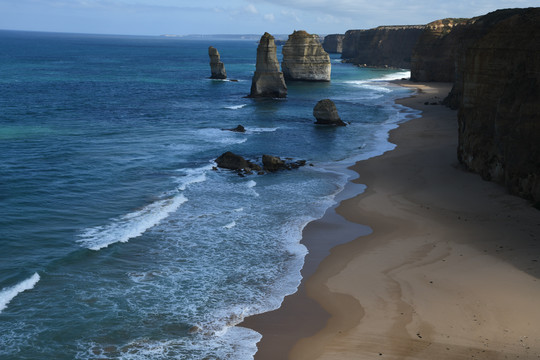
181,17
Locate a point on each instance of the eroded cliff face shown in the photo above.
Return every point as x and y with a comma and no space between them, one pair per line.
434,55
267,81
383,46
333,43
498,87
305,59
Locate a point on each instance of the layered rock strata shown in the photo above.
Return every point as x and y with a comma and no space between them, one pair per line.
217,68
267,80
498,82
383,46
326,113
434,56
304,58
333,43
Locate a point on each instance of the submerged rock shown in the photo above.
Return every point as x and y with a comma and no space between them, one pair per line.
267,80
216,66
239,128
305,59
326,113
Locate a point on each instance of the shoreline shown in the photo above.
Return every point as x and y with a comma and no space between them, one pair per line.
450,270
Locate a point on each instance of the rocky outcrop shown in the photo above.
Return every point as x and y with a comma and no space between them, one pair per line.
333,43
304,58
383,46
498,87
267,81
274,163
233,161
216,66
243,167
326,113
434,56
239,129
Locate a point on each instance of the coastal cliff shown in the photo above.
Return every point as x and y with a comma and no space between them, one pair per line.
304,58
383,46
498,90
434,56
267,80
333,43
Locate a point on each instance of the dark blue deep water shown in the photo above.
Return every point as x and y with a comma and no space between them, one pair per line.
117,239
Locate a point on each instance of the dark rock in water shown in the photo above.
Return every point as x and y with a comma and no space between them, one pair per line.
305,59
216,66
272,163
267,81
239,128
232,161
326,113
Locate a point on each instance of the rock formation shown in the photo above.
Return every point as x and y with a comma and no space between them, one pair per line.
333,43
267,81
216,66
326,113
304,58
434,56
383,46
233,161
498,87
239,129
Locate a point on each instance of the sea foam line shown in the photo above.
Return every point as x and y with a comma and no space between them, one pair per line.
130,225
7,294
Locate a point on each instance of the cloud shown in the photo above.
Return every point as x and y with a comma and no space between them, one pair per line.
290,14
269,17
251,9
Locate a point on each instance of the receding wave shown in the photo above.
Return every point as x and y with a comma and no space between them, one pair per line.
235,107
7,294
130,225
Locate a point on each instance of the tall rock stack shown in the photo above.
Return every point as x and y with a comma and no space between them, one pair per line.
216,66
305,59
267,81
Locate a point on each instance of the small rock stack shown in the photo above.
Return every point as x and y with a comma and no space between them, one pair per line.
216,66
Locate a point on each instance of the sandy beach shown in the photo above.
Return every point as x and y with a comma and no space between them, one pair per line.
448,268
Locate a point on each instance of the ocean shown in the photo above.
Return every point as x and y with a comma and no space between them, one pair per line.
118,239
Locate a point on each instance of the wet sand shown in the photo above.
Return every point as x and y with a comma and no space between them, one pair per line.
449,271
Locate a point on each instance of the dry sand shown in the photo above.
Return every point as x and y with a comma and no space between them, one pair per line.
450,271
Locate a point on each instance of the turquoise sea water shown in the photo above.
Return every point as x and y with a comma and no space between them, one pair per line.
117,239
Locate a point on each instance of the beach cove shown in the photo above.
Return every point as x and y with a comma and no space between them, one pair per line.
449,271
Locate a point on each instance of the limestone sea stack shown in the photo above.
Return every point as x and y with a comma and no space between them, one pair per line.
216,66
305,59
267,81
326,113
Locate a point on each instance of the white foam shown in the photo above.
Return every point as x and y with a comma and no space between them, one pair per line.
251,183
7,294
235,107
192,176
258,129
218,136
131,225
230,225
